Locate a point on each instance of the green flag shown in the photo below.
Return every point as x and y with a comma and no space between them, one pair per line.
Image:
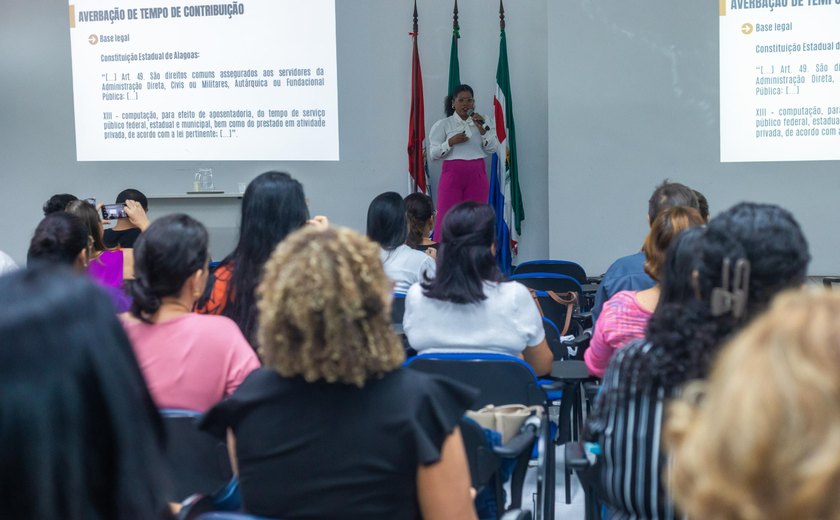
503,108
454,69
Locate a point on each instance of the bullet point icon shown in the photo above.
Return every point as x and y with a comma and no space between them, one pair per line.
747,28
93,39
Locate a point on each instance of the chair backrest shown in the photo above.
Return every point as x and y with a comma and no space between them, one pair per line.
553,267
549,282
198,462
501,379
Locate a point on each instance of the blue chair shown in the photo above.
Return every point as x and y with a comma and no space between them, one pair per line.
563,267
198,461
503,379
568,268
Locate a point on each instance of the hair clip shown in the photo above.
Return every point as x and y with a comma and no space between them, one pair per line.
732,298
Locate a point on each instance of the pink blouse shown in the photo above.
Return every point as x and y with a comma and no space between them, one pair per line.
192,361
622,320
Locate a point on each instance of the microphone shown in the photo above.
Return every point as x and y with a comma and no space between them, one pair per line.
478,121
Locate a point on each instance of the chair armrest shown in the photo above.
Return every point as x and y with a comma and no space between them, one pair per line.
583,337
517,514
570,371
523,440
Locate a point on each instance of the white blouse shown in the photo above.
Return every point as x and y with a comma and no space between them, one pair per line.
476,148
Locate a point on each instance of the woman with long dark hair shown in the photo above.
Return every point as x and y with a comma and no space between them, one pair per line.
79,435
387,226
715,279
462,140
272,207
681,340
469,306
190,361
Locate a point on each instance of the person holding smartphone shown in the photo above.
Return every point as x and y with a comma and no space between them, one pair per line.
462,140
131,218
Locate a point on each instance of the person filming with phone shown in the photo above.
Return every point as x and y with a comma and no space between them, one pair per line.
462,140
130,215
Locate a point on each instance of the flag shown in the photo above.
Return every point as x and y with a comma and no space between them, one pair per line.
505,195
454,68
418,168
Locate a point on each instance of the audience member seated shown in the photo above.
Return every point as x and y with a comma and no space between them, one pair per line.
332,427
58,202
127,229
760,440
60,239
697,312
272,207
190,361
682,338
626,314
468,306
628,273
109,267
420,211
387,225
79,435
7,265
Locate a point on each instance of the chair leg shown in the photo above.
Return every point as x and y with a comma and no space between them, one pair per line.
500,495
517,479
550,478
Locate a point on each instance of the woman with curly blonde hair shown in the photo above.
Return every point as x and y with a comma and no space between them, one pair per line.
332,426
764,441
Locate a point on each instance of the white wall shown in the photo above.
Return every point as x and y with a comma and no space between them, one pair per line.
37,147
634,98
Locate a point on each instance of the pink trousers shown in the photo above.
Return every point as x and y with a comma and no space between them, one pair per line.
460,181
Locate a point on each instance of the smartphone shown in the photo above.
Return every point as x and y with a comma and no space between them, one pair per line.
112,211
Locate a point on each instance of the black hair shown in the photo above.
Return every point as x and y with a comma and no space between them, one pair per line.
80,437
448,109
464,259
135,195
57,203
90,218
166,255
775,246
670,194
418,210
702,205
684,335
273,206
58,239
386,220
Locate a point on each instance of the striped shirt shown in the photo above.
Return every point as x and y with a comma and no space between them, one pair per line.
622,321
628,424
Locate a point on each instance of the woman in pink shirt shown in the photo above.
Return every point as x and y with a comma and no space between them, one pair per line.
189,361
625,315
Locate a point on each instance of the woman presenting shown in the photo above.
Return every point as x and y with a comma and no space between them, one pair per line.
462,140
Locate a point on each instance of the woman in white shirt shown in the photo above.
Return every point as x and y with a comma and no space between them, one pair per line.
468,307
462,140
388,226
